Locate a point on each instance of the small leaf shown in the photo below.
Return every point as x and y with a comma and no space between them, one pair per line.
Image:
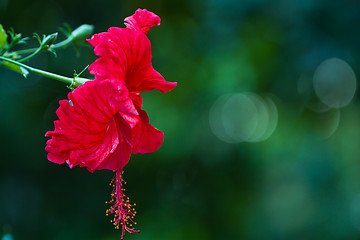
66,30
23,40
3,37
37,37
25,72
53,52
85,68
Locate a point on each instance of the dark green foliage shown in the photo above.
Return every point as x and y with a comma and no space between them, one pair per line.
301,183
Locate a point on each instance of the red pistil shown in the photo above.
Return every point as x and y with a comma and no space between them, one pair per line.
121,208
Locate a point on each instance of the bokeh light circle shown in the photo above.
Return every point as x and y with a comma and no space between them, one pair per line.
334,83
243,117
239,117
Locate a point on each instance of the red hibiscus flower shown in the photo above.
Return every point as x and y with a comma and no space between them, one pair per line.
125,55
102,123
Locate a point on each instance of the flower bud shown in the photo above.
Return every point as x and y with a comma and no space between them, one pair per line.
83,32
49,40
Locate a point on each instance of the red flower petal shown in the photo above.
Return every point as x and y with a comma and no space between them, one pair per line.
153,80
142,20
125,55
144,137
136,98
90,131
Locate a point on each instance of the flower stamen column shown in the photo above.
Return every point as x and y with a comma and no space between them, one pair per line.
123,211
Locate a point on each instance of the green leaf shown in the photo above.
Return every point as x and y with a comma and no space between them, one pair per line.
3,37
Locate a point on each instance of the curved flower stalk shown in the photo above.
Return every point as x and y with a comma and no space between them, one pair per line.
102,123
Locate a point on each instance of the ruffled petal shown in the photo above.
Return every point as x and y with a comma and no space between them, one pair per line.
88,132
121,155
125,55
142,20
153,80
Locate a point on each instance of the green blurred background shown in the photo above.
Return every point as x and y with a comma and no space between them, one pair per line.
261,134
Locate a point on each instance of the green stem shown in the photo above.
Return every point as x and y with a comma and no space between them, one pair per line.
26,51
74,82
79,34
61,44
37,51
64,43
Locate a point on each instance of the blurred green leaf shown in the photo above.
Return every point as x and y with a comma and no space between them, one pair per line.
3,37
